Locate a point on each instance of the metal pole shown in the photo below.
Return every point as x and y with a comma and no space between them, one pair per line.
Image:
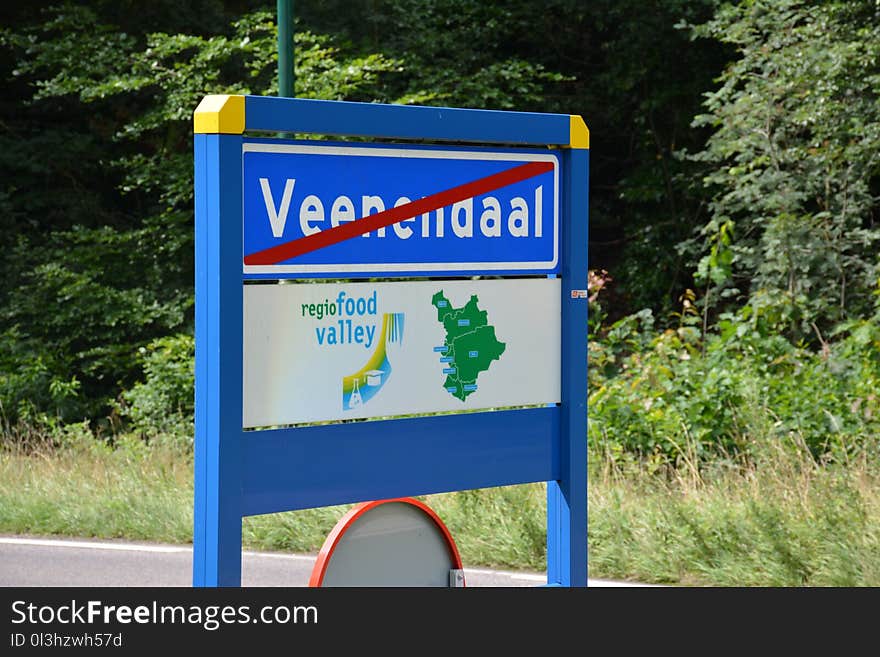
286,74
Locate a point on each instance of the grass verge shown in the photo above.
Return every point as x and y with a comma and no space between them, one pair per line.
780,520
133,491
784,520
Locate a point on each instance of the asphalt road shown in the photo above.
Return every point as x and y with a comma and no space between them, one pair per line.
54,562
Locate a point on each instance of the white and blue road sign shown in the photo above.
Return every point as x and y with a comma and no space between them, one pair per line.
436,210
509,200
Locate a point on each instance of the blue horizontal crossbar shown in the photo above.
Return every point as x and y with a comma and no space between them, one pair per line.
405,121
300,468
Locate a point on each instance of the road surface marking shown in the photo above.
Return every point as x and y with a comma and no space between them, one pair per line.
93,546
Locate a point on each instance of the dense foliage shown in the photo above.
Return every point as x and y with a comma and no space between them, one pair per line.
795,157
734,194
785,339
670,396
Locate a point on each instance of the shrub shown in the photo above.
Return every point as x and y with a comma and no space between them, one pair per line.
672,394
163,403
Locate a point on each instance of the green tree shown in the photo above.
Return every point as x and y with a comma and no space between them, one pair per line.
795,158
625,65
101,265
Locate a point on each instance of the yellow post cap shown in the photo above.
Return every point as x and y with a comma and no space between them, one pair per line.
219,114
579,134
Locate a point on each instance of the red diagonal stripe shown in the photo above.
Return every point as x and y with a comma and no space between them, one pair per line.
298,247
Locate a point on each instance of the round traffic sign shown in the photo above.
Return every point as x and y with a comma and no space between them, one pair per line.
397,542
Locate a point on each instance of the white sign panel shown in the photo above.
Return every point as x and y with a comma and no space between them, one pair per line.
317,352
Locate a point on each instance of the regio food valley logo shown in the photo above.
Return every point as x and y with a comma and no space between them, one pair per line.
360,387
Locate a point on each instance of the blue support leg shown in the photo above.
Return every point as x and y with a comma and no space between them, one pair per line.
217,504
567,496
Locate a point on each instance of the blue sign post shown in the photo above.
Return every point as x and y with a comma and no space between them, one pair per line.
505,205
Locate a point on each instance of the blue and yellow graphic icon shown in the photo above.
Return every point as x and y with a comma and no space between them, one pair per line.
362,386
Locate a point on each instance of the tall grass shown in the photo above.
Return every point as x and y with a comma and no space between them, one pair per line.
74,485
778,518
85,488
782,519
504,527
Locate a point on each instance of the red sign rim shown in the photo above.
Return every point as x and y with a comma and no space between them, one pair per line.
346,522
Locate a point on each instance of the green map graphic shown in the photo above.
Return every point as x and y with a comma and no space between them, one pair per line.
470,345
